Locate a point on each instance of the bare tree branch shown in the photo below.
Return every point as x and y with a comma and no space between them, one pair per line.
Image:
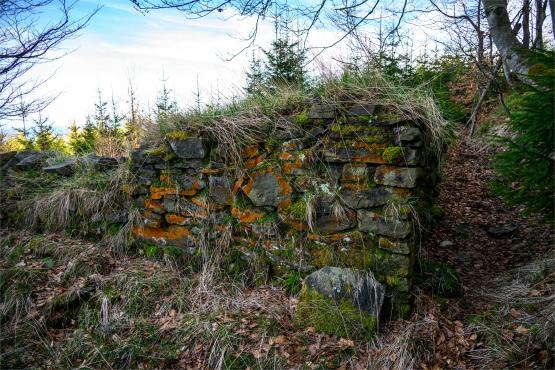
26,41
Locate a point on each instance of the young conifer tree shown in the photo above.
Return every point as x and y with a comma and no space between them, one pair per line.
43,133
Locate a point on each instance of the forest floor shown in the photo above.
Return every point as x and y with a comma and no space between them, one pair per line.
72,304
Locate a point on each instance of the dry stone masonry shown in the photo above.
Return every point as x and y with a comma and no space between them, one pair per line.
345,189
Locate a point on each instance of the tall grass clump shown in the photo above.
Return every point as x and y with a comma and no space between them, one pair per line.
83,203
400,101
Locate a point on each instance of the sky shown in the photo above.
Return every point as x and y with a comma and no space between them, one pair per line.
121,44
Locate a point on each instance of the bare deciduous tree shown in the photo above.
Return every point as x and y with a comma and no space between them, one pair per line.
27,40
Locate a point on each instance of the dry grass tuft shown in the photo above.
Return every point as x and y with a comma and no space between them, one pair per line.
405,103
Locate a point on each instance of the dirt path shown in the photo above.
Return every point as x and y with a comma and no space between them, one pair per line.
470,211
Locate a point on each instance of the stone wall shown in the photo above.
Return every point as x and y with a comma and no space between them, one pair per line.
344,188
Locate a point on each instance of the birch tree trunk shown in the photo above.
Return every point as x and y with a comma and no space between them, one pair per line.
512,51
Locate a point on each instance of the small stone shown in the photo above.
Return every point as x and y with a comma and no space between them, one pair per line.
189,148
502,230
219,190
446,243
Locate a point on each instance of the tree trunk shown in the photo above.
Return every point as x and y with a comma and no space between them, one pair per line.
526,24
540,17
552,11
511,50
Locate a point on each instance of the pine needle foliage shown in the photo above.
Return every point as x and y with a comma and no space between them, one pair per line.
526,166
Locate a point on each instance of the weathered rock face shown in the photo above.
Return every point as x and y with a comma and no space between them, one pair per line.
334,191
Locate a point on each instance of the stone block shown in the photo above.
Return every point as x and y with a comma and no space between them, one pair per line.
355,172
268,188
408,136
322,111
151,219
361,109
219,190
375,197
403,177
179,236
326,221
189,148
395,246
65,168
340,301
375,223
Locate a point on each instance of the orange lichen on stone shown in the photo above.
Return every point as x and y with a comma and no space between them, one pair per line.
172,218
166,178
202,203
237,185
154,206
295,224
360,186
402,192
158,192
249,151
171,233
253,162
286,156
246,216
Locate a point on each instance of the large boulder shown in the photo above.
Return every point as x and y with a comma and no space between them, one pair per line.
31,160
340,301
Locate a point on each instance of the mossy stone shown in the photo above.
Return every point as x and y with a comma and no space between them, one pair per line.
333,318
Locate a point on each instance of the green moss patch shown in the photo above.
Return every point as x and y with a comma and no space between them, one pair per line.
393,154
297,209
178,135
333,318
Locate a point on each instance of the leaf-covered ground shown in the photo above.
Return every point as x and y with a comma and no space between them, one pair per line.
71,303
